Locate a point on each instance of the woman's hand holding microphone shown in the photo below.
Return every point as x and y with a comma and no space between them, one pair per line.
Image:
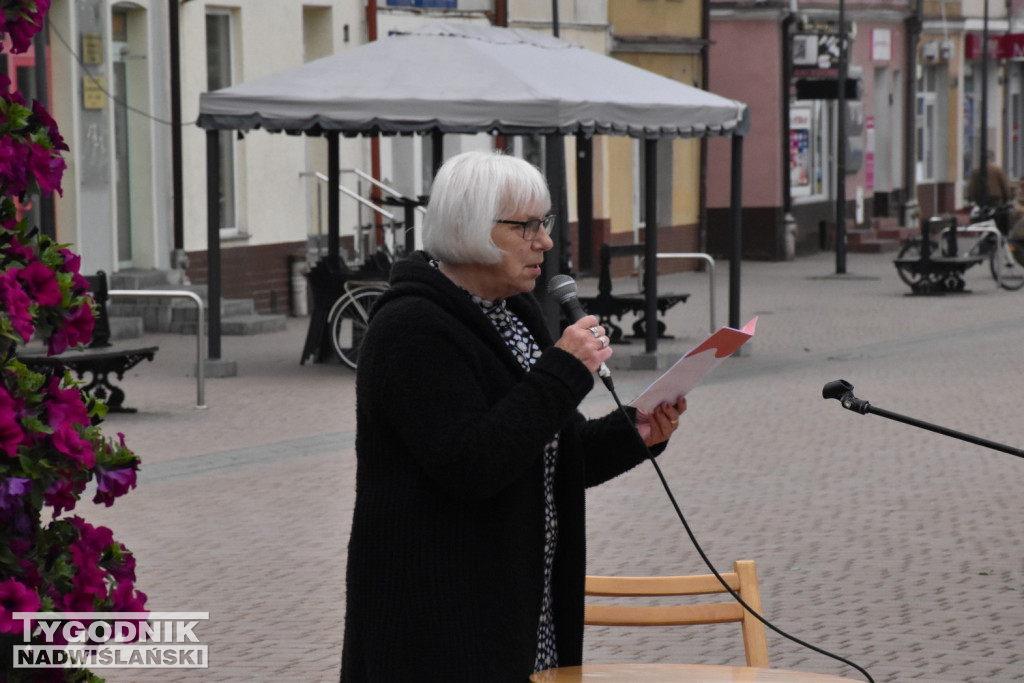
587,341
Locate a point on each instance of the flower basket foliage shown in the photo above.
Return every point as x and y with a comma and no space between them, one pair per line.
51,446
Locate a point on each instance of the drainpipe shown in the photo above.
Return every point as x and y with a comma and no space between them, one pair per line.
371,35
178,258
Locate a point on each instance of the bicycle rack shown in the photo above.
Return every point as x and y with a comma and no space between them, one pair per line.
711,277
939,274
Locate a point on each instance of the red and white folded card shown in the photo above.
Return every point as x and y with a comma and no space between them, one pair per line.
695,364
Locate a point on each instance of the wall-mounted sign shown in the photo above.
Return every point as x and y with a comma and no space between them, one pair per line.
881,45
94,95
815,55
1009,46
92,48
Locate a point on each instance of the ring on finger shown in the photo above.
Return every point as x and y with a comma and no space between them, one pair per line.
604,342
594,331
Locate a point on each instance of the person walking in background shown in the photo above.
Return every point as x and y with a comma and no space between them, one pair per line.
466,559
989,190
997,190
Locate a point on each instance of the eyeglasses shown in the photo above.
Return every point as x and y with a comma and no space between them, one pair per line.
532,226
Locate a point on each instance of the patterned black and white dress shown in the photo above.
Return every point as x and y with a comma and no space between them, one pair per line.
526,351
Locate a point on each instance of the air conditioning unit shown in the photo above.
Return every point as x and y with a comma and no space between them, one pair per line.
930,50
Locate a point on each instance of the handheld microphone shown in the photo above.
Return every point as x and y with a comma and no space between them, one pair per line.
563,289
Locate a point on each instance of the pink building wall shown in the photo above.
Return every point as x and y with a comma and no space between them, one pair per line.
745,64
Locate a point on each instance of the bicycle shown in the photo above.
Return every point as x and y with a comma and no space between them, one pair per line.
1005,256
350,316
356,289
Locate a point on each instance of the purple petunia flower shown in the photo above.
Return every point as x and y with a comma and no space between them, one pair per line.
20,251
73,265
47,167
26,24
64,406
63,495
11,491
51,126
111,484
15,597
15,303
12,504
66,440
75,329
13,166
123,571
127,599
11,432
40,283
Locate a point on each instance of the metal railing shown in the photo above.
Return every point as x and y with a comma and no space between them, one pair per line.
376,183
711,277
200,314
360,247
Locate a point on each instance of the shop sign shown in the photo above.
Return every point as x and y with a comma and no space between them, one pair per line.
1009,46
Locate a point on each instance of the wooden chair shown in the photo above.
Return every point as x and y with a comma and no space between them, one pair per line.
743,580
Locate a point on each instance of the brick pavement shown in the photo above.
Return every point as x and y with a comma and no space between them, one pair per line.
888,545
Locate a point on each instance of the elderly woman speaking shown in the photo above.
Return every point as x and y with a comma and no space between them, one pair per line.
467,555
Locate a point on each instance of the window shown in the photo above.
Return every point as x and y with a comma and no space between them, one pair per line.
219,69
811,149
931,126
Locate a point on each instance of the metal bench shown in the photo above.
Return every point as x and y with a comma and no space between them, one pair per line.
100,358
934,273
607,305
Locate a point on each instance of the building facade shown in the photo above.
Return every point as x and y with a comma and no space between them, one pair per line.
913,127
134,192
111,91
918,94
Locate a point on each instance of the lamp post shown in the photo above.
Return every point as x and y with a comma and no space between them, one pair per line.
911,209
841,147
981,189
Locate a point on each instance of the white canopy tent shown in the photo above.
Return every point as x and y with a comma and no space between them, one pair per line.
461,78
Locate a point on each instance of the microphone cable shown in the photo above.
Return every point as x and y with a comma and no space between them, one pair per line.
707,561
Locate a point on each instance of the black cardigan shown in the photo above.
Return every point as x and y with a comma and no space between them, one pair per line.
445,558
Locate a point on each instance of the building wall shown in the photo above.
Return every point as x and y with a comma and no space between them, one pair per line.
275,200
664,37
272,193
756,79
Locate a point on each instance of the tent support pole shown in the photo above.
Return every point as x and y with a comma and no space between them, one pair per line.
736,219
554,162
333,200
651,244
585,201
437,148
213,241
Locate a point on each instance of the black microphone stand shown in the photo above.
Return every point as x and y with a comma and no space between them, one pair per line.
843,391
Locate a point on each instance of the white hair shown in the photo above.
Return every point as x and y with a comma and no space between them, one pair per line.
470,193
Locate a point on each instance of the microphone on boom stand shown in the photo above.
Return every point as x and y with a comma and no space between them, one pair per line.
842,390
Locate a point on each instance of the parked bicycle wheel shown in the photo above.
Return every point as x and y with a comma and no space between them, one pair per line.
349,319
912,250
1007,265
